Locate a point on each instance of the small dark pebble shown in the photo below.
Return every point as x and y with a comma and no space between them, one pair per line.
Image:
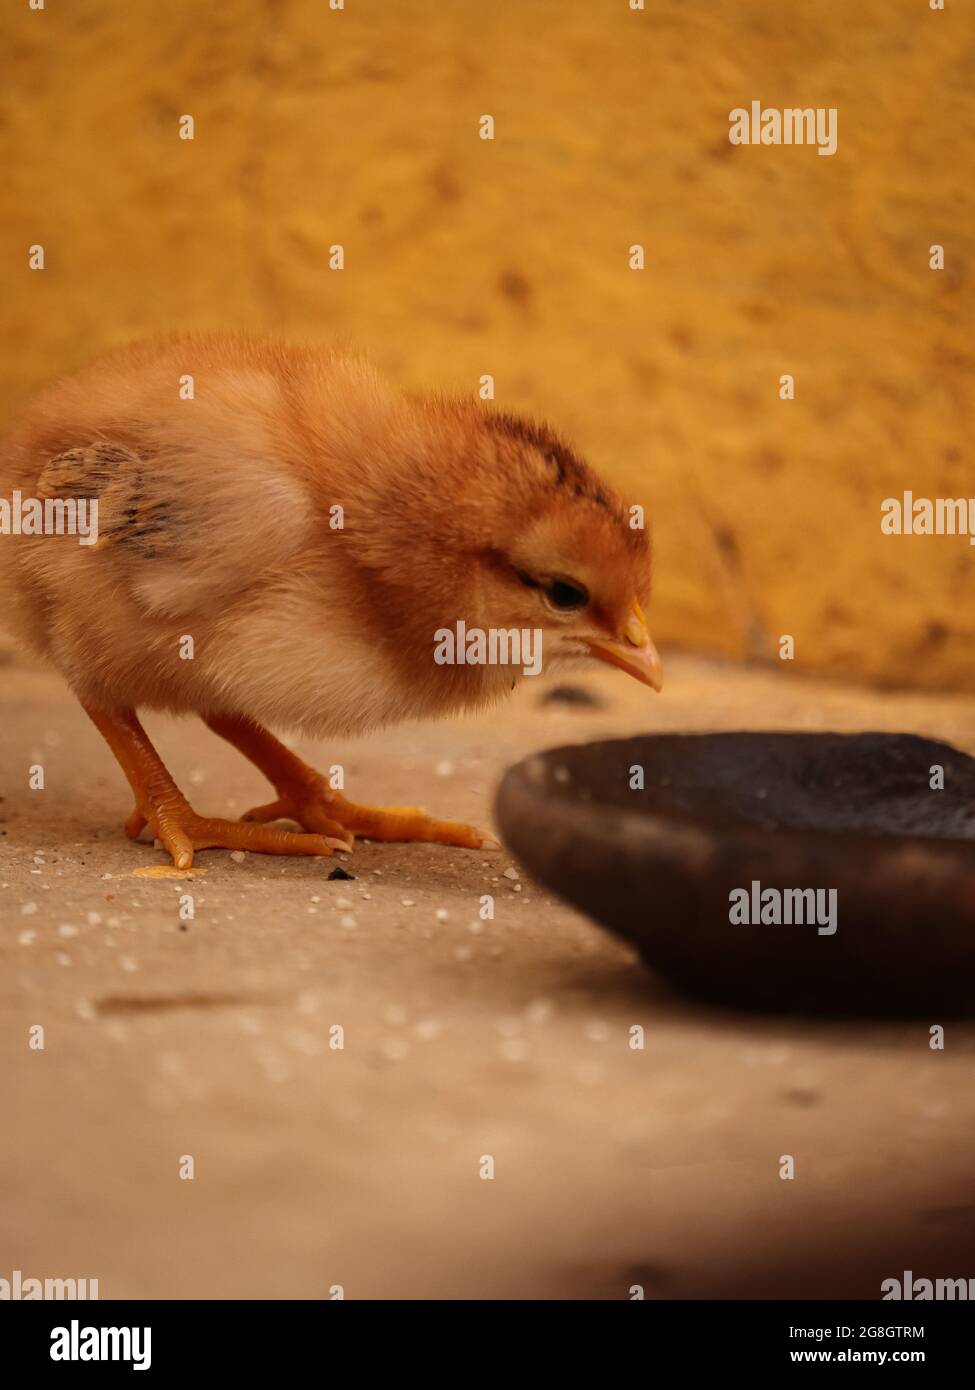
340,873
573,695
961,1213
800,1096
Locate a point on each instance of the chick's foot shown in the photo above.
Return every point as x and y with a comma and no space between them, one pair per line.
161,805
181,831
320,809
305,796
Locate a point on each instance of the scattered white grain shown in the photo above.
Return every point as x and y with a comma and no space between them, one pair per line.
539,1011
276,1069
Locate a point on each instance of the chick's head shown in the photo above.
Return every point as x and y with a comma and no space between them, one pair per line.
559,553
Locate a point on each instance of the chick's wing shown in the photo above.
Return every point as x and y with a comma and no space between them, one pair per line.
182,538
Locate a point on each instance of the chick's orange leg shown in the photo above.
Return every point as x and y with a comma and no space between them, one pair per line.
305,796
161,805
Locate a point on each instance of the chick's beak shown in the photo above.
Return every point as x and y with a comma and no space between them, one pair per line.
633,651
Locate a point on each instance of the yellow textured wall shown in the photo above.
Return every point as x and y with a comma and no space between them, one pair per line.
465,257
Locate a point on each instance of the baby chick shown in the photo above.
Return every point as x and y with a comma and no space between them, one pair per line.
281,534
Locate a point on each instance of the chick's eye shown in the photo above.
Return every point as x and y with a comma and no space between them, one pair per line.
565,595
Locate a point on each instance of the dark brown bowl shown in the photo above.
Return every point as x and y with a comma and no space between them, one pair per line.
850,812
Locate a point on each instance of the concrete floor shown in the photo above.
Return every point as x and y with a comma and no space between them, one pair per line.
359,1168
